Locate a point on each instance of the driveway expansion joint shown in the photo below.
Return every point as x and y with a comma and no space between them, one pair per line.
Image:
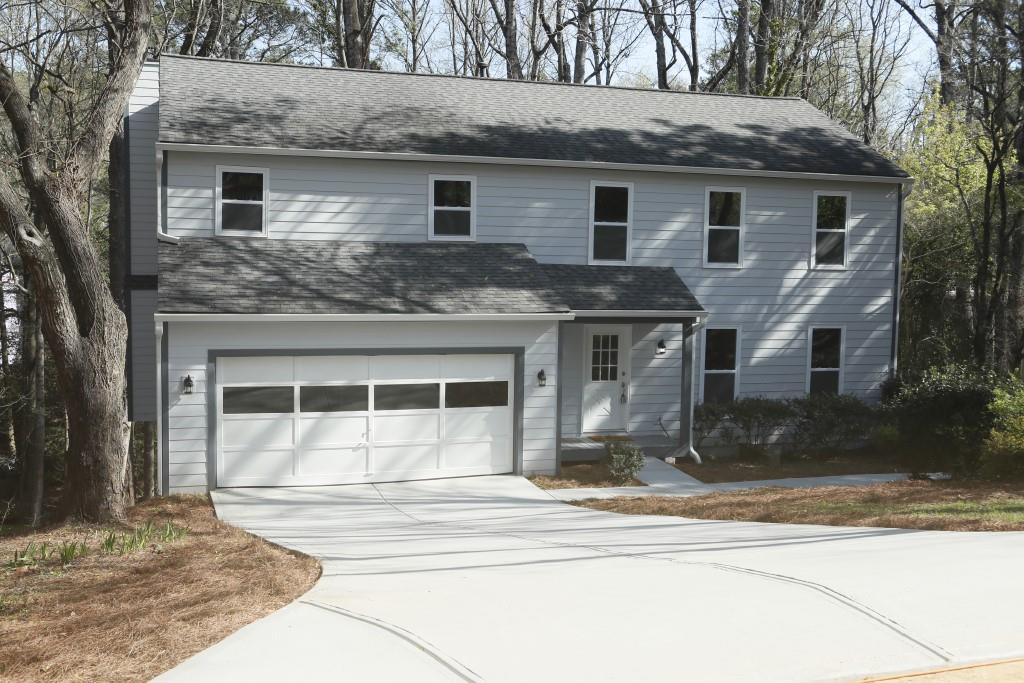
829,593
447,661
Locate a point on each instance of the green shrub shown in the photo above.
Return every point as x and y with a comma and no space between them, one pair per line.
758,418
1002,455
625,460
826,423
709,418
944,418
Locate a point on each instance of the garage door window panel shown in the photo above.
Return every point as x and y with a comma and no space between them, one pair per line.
407,397
475,394
258,400
334,399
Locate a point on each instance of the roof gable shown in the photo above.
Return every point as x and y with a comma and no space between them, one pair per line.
248,104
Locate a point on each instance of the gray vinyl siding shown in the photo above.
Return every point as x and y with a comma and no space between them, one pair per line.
656,381
572,379
189,343
775,297
143,355
143,123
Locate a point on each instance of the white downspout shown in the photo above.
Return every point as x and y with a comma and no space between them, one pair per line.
160,455
692,452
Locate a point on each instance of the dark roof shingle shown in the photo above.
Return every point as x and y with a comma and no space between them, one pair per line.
621,288
242,275
205,101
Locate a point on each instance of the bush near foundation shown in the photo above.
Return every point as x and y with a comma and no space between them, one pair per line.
625,460
1002,454
945,417
825,423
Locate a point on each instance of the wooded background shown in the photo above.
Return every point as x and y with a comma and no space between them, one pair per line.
936,86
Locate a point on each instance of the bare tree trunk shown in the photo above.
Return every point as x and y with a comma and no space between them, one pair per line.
7,441
762,46
743,47
84,328
34,440
148,461
117,252
582,38
355,49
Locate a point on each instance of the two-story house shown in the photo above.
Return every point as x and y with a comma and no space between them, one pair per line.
346,276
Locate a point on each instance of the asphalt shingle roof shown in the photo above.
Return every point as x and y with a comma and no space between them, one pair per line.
245,275
621,288
206,101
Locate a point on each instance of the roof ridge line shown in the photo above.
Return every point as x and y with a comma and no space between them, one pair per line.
491,79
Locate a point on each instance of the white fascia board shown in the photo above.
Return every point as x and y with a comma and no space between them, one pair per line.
515,161
358,317
641,314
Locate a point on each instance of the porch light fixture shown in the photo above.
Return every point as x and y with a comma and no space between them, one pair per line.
660,351
187,384
542,379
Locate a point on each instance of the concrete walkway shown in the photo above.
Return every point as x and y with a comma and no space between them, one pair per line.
663,479
490,578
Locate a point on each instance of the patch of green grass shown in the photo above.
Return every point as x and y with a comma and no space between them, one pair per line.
1009,511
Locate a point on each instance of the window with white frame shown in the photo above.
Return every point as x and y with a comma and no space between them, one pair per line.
610,214
721,364
241,200
826,361
723,227
452,210
831,222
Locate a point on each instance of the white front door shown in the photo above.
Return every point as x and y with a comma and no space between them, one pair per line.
606,377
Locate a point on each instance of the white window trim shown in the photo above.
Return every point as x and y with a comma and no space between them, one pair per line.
594,184
219,229
708,227
703,358
471,179
814,230
842,355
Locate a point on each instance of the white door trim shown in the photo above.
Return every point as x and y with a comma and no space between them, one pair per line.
625,332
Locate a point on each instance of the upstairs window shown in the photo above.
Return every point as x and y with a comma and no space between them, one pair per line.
825,375
721,364
723,227
452,208
610,212
241,201
831,220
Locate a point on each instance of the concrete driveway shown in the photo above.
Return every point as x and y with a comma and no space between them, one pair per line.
491,579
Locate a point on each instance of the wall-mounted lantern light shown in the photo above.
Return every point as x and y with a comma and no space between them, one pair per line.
187,384
660,351
542,379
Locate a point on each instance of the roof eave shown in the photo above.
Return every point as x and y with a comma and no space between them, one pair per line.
523,161
360,317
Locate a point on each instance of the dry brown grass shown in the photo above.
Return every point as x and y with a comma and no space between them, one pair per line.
951,506
581,475
734,469
127,618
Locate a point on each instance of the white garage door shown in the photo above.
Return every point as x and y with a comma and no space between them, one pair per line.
310,420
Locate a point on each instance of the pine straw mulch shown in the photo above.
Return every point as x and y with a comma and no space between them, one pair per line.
740,469
580,475
944,505
130,617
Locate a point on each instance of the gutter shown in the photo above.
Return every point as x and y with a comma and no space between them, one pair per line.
640,314
902,194
358,317
520,161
